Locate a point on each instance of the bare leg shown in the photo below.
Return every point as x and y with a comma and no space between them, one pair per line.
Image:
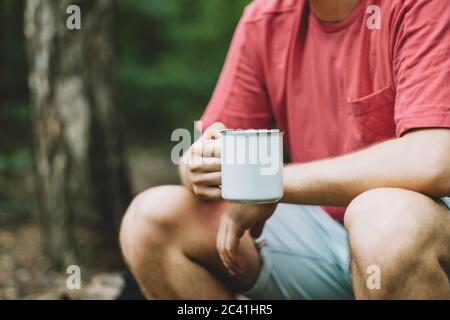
405,234
168,238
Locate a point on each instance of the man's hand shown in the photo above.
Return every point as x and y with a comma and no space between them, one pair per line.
235,221
201,170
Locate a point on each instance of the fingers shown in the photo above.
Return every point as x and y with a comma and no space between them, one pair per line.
205,164
209,145
205,184
220,244
213,131
207,192
212,148
206,178
231,267
207,148
232,248
228,246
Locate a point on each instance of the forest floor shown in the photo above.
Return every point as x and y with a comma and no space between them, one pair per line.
25,273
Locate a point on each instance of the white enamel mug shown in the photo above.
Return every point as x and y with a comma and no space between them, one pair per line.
252,165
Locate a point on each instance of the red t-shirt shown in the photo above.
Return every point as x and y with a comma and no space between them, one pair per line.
336,87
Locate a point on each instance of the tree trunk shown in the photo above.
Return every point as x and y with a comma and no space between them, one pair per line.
80,171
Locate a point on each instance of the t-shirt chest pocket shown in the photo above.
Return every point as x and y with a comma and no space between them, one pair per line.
372,117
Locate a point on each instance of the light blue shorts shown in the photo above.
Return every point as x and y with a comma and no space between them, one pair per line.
305,255
446,201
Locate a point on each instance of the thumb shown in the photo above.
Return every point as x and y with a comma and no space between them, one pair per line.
213,131
257,229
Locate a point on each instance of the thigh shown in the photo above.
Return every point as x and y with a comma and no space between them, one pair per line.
305,255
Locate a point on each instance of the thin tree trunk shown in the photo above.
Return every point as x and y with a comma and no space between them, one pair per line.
80,172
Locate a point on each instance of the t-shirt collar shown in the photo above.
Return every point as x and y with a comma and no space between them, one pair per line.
330,27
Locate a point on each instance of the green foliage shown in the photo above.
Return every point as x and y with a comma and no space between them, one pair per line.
170,56
15,137
170,53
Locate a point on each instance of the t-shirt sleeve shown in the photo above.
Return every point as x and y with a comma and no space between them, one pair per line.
421,61
240,99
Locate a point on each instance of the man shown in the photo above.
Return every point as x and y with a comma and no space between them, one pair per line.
365,106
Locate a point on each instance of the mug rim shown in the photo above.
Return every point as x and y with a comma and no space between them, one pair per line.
252,131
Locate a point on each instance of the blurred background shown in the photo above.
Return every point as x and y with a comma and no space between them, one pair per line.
85,123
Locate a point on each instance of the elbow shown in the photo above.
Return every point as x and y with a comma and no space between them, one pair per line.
432,161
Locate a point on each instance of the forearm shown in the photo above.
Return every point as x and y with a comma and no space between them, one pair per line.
419,161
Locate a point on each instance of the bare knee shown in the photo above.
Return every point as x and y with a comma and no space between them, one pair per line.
152,215
160,206
396,230
160,216
384,214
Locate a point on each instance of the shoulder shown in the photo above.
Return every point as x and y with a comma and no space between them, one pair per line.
259,10
402,16
414,4
403,7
